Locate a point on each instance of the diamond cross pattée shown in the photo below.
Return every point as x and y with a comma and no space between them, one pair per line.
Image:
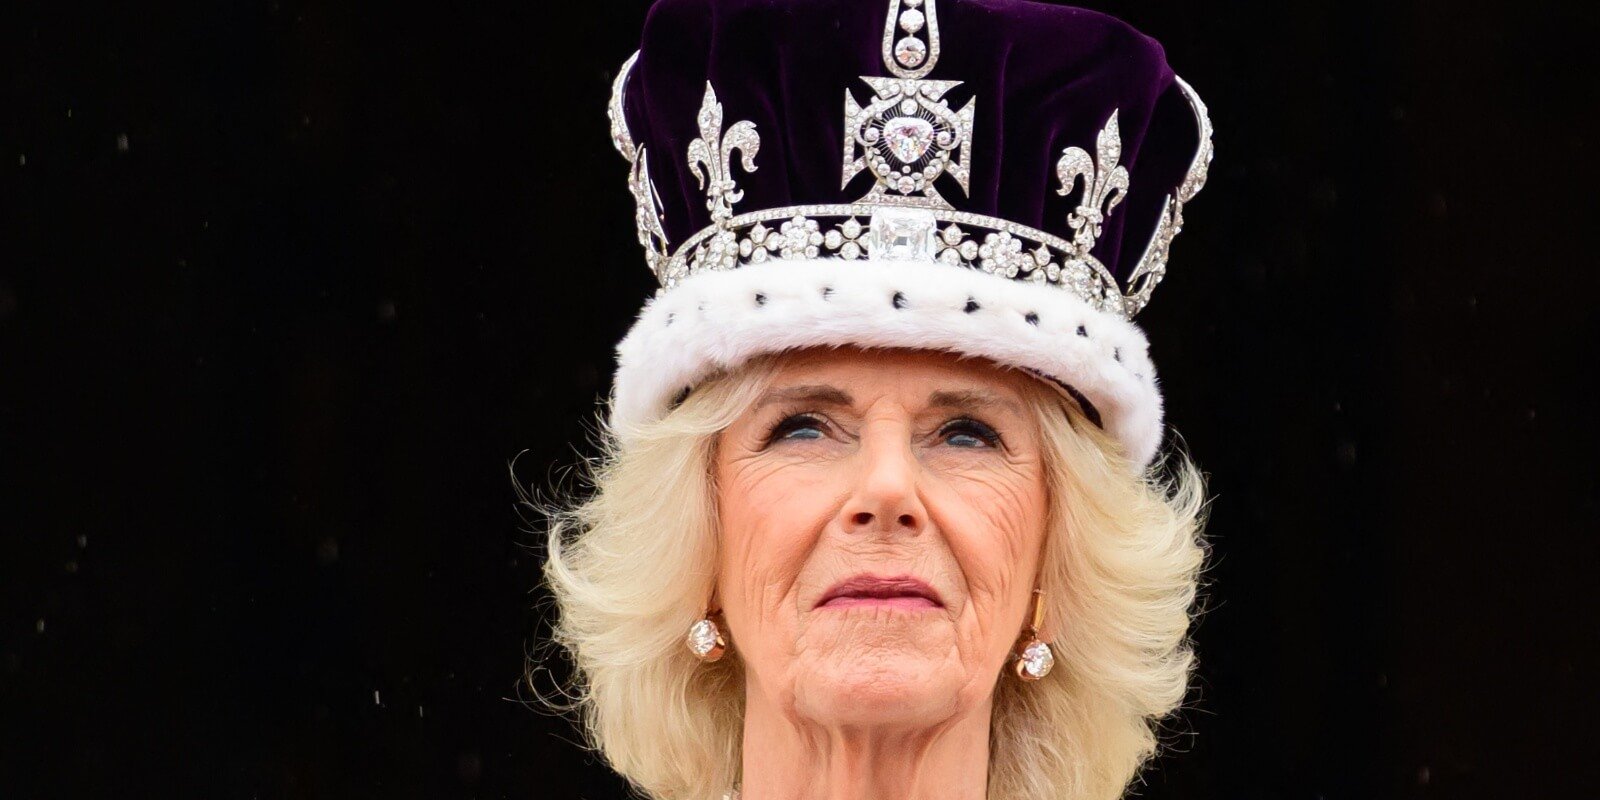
908,137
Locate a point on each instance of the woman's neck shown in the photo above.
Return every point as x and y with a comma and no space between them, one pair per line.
786,758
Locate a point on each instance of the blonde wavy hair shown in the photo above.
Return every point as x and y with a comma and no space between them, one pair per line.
631,566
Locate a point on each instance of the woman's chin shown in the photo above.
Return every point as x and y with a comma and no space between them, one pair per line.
879,688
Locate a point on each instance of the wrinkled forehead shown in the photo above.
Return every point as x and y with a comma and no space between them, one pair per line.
858,378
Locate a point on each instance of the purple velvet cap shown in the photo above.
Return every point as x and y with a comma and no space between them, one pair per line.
1044,77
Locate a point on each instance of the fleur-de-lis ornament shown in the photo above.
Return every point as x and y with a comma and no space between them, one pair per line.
1105,182
711,156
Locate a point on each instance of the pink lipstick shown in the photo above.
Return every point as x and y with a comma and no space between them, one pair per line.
899,591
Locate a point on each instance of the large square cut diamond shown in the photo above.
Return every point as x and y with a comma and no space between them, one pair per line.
901,234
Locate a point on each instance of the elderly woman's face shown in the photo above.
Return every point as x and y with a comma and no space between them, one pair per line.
882,520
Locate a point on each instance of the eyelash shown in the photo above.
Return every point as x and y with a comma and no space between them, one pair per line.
791,423
962,425
971,427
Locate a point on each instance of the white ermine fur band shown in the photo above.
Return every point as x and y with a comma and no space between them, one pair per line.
715,321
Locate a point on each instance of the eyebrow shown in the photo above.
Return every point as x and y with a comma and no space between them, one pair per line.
976,399
819,394
825,395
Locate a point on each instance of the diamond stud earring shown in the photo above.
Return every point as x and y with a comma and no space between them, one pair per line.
705,640
1034,657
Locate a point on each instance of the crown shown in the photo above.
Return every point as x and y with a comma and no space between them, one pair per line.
904,133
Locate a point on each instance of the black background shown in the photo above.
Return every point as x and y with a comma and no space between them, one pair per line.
286,286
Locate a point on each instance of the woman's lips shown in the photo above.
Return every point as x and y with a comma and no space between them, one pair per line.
889,602
900,591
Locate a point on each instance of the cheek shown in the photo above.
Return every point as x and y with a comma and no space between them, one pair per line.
771,515
994,520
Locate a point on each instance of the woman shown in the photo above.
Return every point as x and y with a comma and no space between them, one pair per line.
877,515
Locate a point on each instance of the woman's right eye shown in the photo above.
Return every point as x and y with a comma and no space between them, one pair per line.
797,427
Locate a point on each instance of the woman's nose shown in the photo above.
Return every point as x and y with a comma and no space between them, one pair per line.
885,497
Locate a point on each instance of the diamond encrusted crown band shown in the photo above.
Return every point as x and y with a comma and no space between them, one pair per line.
908,138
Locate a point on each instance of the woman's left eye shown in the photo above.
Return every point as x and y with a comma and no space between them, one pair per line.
969,433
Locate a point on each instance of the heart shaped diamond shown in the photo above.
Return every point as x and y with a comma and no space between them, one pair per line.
908,138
